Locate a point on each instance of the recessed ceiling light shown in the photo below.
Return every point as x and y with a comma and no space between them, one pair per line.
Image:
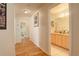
25,11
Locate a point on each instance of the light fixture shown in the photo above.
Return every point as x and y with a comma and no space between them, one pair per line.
25,11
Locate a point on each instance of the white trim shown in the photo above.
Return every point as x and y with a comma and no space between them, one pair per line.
70,32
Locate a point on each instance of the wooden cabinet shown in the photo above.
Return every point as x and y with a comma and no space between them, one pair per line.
60,40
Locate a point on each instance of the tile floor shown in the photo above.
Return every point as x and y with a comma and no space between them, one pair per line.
58,51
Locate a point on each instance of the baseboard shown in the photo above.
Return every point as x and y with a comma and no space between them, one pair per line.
40,47
44,52
35,43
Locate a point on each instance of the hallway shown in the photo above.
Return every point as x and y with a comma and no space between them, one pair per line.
27,48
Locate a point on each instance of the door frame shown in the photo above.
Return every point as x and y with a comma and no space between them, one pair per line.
70,29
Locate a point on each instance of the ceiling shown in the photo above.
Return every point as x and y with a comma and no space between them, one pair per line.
32,7
60,8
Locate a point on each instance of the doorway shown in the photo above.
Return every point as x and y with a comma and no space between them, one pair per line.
59,32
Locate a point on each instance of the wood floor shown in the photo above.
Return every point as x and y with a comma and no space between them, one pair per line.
27,48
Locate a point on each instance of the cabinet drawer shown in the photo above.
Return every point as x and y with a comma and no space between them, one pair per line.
60,40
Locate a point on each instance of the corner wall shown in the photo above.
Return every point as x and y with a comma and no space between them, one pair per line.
74,19
44,30
7,45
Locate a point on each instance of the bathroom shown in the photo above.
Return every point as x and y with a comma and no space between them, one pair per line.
60,30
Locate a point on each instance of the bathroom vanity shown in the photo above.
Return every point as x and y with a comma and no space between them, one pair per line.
61,40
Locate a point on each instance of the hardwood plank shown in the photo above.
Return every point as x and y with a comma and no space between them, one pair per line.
27,48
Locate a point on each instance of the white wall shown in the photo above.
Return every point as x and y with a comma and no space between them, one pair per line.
74,26
44,30
34,31
7,47
17,31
